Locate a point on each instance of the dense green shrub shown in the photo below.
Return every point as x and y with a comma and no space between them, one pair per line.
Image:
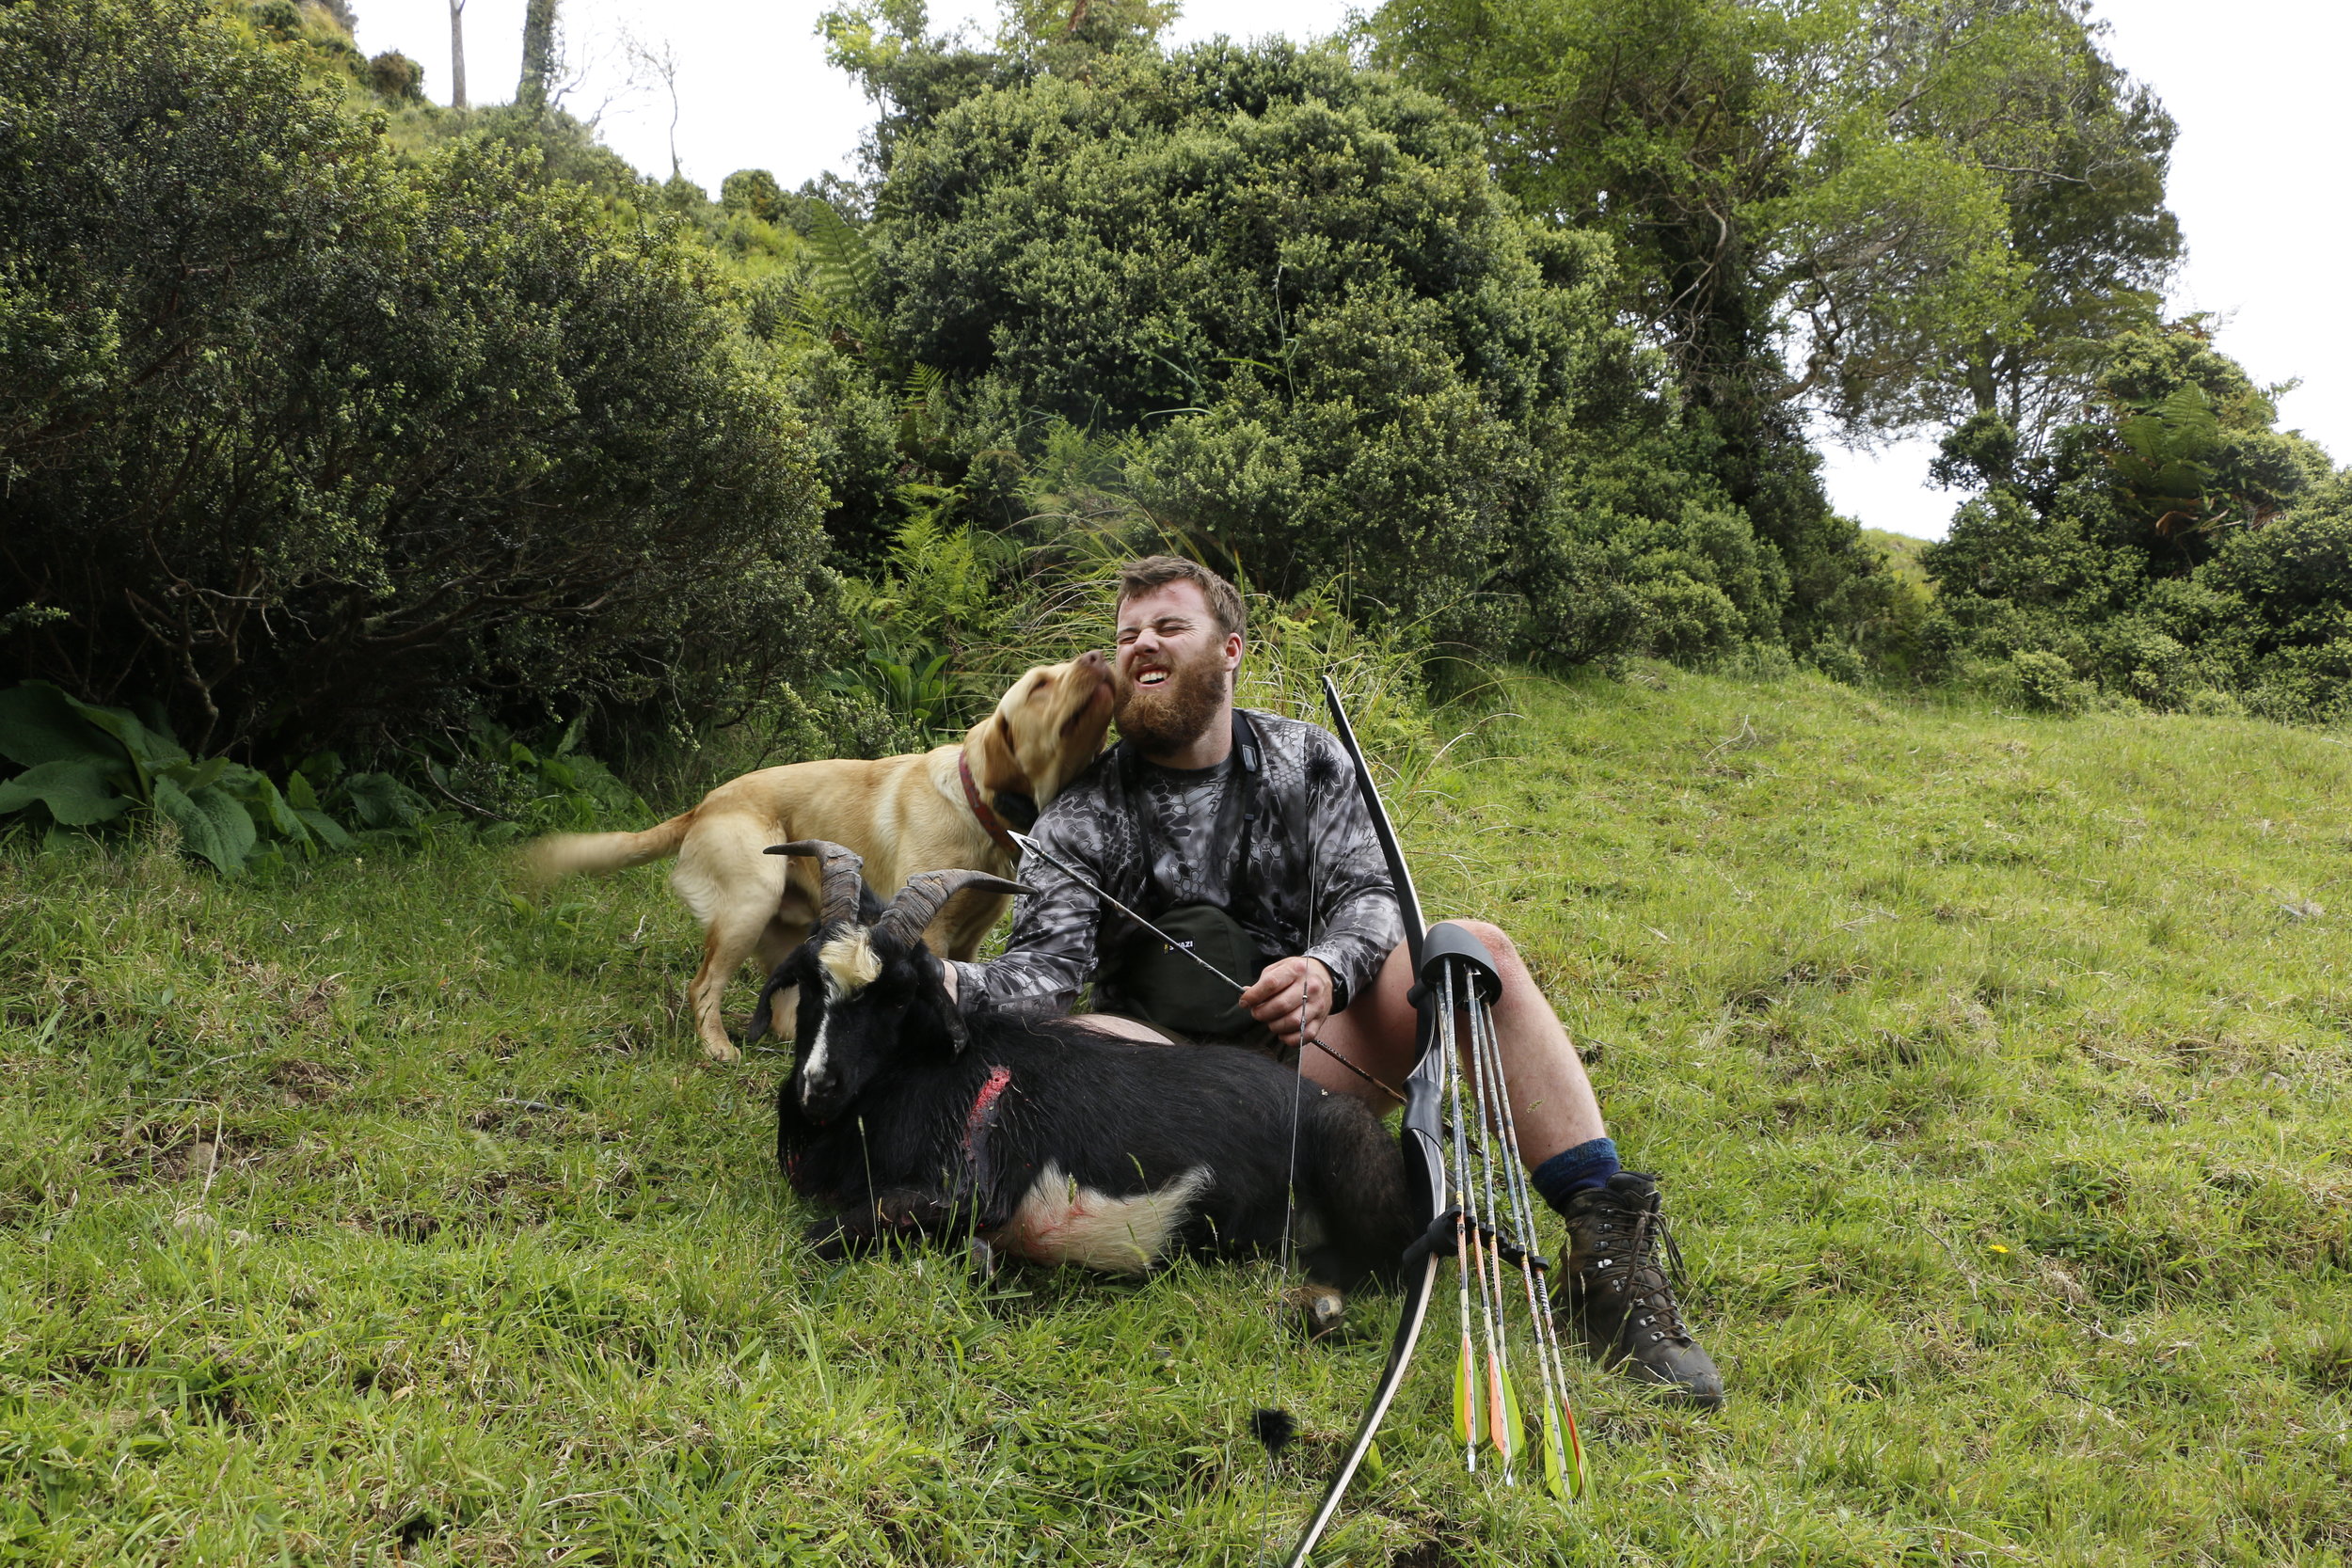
2283,604
395,75
311,442
2173,547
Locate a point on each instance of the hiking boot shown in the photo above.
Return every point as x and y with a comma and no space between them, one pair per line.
1619,1294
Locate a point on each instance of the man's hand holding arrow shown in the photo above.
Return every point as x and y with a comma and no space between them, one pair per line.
1291,997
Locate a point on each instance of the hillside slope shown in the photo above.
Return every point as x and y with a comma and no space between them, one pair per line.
1900,551
1996,1066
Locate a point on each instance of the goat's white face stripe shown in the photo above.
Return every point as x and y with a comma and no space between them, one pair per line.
850,964
814,1069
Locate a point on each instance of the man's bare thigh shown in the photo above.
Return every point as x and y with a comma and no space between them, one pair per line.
1376,1033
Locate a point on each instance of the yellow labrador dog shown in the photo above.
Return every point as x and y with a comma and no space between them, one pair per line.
945,809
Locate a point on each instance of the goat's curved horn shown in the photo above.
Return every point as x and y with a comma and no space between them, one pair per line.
918,902
841,865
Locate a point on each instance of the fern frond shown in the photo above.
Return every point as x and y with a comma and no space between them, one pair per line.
847,275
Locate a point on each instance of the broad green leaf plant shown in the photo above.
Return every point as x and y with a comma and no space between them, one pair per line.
85,765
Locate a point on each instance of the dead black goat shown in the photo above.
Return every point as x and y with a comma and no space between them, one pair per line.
1043,1138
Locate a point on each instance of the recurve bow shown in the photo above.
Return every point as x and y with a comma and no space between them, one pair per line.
1446,957
1425,1156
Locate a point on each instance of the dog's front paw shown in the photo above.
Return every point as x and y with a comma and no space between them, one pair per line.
719,1051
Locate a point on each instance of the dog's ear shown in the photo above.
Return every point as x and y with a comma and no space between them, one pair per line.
1001,773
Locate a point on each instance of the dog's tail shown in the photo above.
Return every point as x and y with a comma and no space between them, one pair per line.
559,855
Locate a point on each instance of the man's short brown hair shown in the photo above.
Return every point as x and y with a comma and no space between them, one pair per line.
1155,572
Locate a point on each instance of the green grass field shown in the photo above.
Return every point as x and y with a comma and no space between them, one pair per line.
1997,1067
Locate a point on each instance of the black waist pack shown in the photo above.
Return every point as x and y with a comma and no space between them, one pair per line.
1169,990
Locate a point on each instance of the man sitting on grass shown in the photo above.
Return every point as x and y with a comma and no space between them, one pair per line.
1242,833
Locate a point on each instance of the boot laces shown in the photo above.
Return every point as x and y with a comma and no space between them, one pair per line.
1656,1283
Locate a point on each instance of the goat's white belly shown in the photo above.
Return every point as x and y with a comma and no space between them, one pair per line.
1060,1221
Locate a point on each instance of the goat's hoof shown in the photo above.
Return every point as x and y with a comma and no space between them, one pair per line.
983,1261
1323,1308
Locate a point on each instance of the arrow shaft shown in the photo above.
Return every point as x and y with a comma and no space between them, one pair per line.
1551,1366
1489,1261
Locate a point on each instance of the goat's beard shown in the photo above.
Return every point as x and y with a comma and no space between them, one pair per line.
1171,716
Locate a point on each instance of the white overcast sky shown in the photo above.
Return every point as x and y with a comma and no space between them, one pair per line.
2256,87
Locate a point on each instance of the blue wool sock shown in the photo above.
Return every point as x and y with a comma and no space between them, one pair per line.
1575,1170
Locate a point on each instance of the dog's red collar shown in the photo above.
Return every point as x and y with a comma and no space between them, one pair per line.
988,818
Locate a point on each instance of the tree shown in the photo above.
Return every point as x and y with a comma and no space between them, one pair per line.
657,62
913,75
539,55
2170,543
2091,224
1816,208
1299,321
457,53
753,191
396,78
1820,201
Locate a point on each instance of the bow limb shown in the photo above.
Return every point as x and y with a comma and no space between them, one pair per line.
1420,1278
1407,900
1424,1156
1417,1294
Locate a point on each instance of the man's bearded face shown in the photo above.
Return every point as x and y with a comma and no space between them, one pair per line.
1169,685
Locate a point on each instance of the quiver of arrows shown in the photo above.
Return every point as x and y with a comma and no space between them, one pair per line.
1497,1264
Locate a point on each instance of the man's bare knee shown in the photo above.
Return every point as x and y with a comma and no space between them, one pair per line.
1499,946
1494,936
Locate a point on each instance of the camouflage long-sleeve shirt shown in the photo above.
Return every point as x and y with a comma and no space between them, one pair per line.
1316,884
